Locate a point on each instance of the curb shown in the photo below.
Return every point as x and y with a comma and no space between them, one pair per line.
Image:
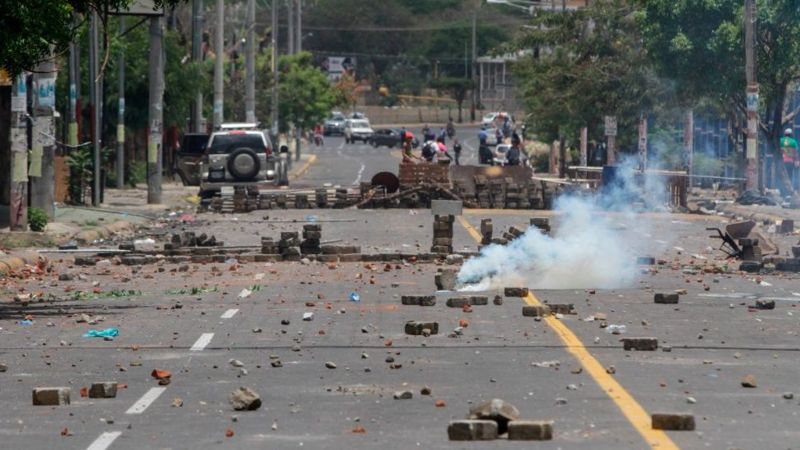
311,160
102,232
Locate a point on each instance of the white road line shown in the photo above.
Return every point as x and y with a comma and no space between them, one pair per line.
201,342
229,313
360,174
104,440
148,398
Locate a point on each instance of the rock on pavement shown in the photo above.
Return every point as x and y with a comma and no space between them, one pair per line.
245,399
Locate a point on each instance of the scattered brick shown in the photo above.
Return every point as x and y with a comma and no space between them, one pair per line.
415,328
673,422
418,300
51,396
529,430
472,430
666,299
516,292
641,343
536,311
103,389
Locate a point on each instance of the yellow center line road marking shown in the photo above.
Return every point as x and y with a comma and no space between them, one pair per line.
304,168
630,408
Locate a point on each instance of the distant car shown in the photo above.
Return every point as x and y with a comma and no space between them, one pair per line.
357,130
492,119
388,137
357,115
335,124
239,157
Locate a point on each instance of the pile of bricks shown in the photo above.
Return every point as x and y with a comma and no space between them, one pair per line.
312,235
241,199
494,418
188,239
289,246
443,234
503,193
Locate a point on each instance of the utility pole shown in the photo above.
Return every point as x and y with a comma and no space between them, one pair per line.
18,211
274,44
751,148
156,113
95,89
197,56
219,50
474,60
290,21
250,65
298,43
643,142
688,142
72,124
121,112
41,170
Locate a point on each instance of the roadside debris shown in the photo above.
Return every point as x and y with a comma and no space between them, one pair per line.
245,399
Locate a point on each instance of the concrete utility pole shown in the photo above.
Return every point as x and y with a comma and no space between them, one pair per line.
688,141
250,64
121,113
72,124
95,89
751,152
42,156
274,44
219,50
474,61
643,142
298,42
290,21
156,114
197,56
18,211
584,146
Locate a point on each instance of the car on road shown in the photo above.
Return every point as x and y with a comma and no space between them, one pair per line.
357,130
492,119
334,125
387,137
240,157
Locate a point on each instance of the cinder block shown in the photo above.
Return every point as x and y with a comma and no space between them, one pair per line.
641,343
472,430
535,311
51,396
516,292
673,422
104,389
562,308
529,430
418,300
417,328
457,302
666,299
478,300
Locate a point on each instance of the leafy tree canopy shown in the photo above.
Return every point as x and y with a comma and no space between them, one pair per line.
306,96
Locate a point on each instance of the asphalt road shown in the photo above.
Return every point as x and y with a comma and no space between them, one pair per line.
715,340
346,165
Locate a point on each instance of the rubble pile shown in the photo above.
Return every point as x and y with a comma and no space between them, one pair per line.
494,418
251,199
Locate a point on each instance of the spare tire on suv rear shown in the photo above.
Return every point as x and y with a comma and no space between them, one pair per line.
243,163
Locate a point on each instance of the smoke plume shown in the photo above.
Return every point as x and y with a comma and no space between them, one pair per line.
594,245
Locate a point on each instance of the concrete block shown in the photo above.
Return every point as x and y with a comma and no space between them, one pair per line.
673,422
535,311
765,304
562,308
472,430
516,292
666,299
51,396
415,328
641,343
103,389
530,430
478,300
446,279
457,302
418,300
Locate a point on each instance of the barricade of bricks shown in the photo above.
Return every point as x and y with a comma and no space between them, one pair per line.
443,234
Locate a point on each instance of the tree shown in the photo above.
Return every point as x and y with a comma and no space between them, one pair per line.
30,29
457,87
587,64
306,96
700,46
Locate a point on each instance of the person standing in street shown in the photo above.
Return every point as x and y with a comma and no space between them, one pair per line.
790,156
457,151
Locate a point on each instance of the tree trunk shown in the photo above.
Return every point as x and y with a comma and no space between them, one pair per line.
460,120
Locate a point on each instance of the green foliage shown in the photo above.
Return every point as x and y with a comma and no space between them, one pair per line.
306,96
37,219
29,28
591,64
137,173
81,165
456,87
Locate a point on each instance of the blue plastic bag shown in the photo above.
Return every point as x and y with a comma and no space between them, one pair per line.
108,332
354,297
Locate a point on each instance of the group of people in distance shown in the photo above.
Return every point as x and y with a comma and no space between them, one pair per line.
434,146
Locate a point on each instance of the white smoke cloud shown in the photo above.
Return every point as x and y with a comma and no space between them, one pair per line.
595,244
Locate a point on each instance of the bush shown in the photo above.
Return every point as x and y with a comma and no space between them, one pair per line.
137,173
37,219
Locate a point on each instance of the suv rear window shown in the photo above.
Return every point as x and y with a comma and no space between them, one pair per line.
226,143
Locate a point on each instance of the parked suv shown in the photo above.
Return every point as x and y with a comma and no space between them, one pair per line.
240,157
